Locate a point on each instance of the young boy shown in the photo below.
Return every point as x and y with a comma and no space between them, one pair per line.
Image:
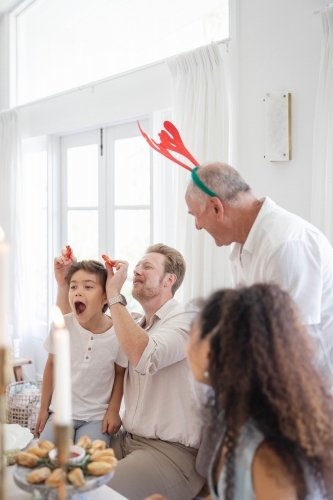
97,363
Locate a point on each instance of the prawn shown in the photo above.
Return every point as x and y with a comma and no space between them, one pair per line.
69,252
108,260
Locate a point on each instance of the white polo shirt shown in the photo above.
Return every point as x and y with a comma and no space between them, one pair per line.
284,249
92,368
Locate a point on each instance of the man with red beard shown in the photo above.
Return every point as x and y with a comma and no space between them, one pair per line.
158,444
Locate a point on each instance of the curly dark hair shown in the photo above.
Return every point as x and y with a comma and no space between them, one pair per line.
262,367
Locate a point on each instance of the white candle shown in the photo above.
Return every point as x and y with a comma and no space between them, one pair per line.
4,289
62,371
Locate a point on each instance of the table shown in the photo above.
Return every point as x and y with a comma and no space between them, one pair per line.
15,493
17,366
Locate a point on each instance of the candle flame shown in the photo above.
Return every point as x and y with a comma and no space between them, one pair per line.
58,318
2,234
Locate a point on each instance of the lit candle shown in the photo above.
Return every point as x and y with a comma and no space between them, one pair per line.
4,289
62,371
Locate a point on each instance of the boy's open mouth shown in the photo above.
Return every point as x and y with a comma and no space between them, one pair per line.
80,307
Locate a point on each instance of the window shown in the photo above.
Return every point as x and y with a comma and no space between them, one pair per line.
68,43
106,195
36,229
81,165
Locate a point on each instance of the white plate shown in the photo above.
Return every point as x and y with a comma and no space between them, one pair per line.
92,482
16,436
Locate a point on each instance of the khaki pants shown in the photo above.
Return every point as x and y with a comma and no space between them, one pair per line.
150,466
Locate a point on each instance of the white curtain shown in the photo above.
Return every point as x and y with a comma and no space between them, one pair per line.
200,112
322,166
12,209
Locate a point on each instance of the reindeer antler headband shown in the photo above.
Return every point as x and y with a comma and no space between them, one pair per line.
170,140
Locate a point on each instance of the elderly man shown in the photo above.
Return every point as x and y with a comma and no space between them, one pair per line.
271,245
158,446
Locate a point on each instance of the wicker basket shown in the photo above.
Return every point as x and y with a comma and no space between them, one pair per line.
23,408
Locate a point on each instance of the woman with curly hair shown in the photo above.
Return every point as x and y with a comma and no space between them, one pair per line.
271,413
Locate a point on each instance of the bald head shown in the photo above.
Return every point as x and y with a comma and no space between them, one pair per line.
220,178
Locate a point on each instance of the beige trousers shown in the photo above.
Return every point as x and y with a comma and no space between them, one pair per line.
148,466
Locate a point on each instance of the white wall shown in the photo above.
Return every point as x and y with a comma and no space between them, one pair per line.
105,103
279,45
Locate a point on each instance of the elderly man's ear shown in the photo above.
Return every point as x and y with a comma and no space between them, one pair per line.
217,207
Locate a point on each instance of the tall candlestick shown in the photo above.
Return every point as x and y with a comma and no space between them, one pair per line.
62,394
62,371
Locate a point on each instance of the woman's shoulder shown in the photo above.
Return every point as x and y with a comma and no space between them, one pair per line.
270,475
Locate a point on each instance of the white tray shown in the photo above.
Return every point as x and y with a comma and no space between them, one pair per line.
92,482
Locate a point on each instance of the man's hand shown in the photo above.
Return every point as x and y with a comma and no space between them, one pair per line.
115,280
41,421
111,422
61,266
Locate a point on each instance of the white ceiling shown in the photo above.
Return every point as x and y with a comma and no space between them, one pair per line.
7,5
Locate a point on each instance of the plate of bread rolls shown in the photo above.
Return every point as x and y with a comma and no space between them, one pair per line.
37,467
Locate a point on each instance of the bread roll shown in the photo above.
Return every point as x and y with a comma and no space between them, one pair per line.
97,456
85,442
56,478
46,445
39,452
100,468
39,475
27,459
76,477
97,445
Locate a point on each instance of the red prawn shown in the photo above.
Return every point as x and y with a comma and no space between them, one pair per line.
69,252
108,260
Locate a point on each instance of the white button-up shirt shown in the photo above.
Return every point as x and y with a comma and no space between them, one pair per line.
160,397
284,249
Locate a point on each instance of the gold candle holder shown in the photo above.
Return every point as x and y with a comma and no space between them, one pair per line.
62,435
5,355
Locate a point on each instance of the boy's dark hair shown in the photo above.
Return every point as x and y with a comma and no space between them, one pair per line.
90,266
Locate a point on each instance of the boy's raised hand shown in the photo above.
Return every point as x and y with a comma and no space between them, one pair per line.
62,264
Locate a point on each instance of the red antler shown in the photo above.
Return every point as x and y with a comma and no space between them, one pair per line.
170,140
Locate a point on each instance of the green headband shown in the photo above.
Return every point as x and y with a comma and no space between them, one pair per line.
200,184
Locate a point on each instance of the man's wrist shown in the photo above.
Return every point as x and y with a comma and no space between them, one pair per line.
117,299
112,293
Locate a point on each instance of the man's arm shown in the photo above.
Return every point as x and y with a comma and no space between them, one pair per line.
132,339
166,344
47,390
112,420
147,354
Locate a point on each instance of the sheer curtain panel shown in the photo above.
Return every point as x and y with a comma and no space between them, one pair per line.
12,208
322,166
200,112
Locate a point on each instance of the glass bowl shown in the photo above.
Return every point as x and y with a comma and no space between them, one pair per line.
75,455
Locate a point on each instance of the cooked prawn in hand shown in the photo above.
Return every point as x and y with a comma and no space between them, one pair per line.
108,260
68,253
